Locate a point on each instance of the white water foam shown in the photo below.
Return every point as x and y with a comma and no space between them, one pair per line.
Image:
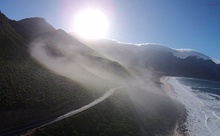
203,118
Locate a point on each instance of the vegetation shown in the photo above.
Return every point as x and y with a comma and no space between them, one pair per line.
121,114
25,85
30,86
29,91
111,117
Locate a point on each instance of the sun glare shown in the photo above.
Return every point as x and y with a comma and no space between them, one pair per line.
92,24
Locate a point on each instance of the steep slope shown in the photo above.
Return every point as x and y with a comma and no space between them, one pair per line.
113,50
89,62
72,74
177,62
30,92
189,67
29,27
60,52
184,53
10,41
180,53
153,57
120,53
61,74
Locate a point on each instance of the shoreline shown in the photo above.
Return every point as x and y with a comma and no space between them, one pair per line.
200,119
180,128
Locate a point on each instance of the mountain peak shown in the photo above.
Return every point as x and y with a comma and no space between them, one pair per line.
34,19
184,53
3,18
155,47
29,27
37,24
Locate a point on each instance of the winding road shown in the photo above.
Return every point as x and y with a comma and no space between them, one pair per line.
95,102
26,128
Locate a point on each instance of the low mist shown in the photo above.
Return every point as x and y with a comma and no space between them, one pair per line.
74,60
152,108
98,71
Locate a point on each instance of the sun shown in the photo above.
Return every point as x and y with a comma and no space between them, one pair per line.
91,24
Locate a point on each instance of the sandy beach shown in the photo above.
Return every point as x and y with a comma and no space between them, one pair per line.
169,90
196,119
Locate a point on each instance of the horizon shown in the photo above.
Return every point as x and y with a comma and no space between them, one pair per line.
179,25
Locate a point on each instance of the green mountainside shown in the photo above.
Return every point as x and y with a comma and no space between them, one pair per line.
29,91
46,72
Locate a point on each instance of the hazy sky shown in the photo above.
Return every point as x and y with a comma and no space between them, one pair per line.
191,24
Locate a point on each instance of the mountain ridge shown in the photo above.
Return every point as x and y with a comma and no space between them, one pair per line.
29,27
181,53
30,91
159,58
46,72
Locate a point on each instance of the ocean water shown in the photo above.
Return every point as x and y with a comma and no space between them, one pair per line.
202,101
208,92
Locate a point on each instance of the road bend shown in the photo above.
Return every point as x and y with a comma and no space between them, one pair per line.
25,128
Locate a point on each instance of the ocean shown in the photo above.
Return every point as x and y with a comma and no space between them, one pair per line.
206,91
202,101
